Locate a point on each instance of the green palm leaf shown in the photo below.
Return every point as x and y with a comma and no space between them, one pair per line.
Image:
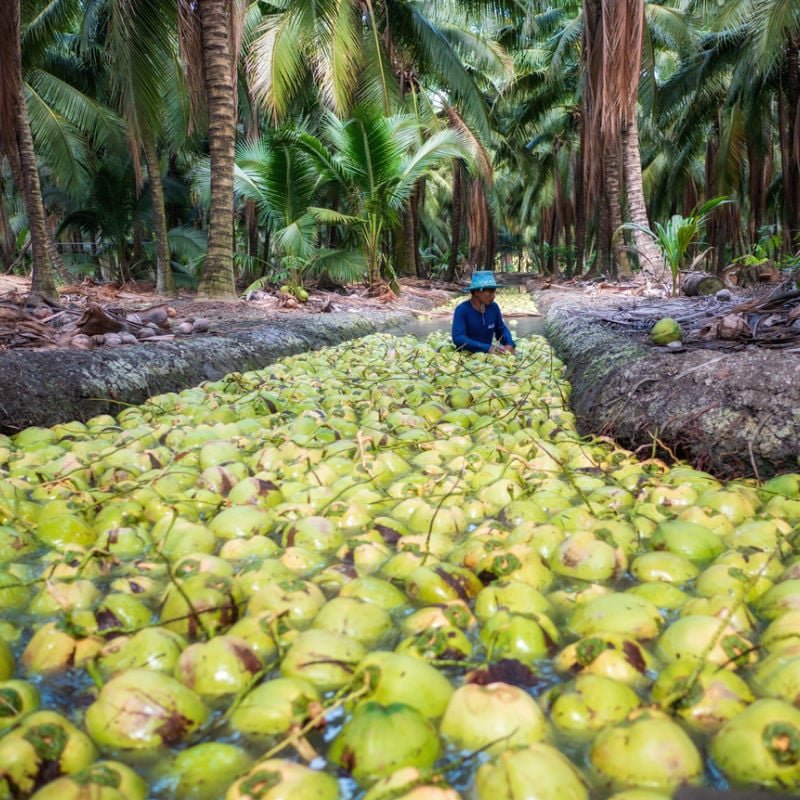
276,63
60,144
341,266
104,128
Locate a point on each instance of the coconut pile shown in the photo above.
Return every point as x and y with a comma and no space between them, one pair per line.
387,570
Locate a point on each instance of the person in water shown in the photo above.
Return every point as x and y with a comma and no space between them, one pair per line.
477,322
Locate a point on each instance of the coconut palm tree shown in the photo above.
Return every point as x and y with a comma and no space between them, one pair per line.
378,162
16,142
374,51
210,32
286,186
141,50
65,125
613,39
753,51
396,55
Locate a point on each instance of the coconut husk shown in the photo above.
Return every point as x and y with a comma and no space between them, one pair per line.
95,321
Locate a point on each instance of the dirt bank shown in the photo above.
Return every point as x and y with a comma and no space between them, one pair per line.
732,413
43,387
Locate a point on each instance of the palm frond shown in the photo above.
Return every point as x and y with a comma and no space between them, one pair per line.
187,242
276,63
436,56
368,148
297,238
340,53
671,28
41,22
328,216
774,24
60,144
446,144
141,46
341,266
373,88
103,127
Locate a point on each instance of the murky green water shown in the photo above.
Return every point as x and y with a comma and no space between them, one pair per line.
520,327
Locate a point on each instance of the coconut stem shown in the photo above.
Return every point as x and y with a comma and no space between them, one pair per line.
297,736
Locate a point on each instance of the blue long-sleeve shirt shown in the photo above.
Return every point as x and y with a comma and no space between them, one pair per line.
474,331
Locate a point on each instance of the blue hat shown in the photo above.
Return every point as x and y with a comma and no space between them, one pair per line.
481,280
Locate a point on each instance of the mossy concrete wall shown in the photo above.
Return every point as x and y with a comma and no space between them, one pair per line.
732,413
44,387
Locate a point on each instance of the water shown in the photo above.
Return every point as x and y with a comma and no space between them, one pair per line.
520,327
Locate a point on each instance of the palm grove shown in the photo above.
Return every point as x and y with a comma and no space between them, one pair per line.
230,143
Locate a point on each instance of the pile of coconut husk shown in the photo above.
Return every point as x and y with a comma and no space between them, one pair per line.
722,321
94,325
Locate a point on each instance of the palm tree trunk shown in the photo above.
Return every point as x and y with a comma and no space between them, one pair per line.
251,221
43,283
165,283
403,242
603,260
789,114
17,140
757,191
266,248
480,229
456,220
619,262
580,201
218,277
417,201
7,244
650,260
55,257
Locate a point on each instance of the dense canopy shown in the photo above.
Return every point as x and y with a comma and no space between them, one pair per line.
219,143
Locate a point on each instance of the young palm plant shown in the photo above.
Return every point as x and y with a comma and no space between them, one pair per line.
284,182
369,163
377,161
677,237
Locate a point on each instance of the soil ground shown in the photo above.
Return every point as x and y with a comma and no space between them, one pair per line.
729,407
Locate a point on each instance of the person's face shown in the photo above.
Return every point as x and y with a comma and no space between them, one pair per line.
486,296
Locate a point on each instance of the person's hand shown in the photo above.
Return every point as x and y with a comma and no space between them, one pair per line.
501,349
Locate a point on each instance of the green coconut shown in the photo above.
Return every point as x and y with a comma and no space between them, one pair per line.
280,779
325,659
18,699
698,637
650,752
494,718
537,772
44,743
141,710
274,707
103,780
665,330
220,667
377,740
761,746
590,703
703,696
205,771
617,612
398,678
